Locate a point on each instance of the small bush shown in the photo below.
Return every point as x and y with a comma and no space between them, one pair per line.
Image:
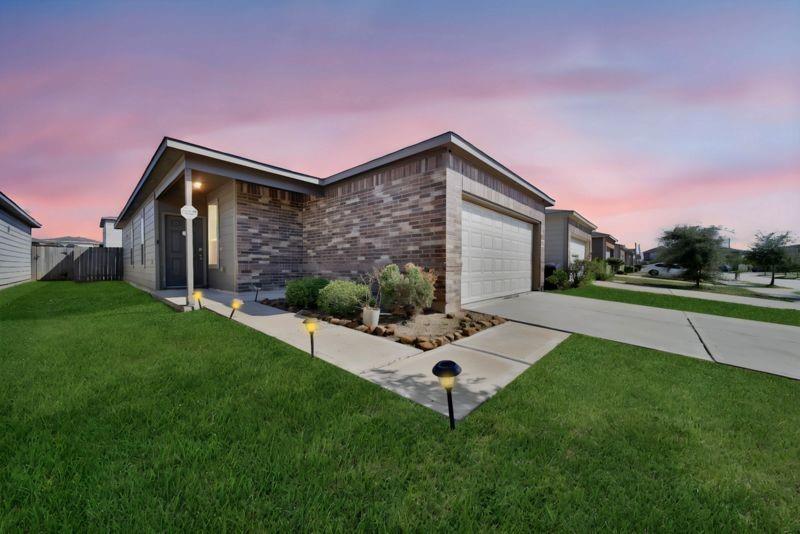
342,298
303,293
558,280
629,269
412,288
597,269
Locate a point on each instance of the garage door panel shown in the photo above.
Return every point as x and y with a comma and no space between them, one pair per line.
496,254
577,249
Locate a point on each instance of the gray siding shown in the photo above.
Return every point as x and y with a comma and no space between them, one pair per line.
224,277
141,271
556,239
15,251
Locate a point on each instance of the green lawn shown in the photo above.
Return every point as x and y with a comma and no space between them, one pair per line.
689,304
117,413
722,289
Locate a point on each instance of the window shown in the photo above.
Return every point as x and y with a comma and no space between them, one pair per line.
213,233
141,238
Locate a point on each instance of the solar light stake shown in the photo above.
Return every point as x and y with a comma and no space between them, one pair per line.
257,288
447,371
311,326
235,305
198,297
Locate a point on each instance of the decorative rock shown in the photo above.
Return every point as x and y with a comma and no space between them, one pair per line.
469,331
485,324
450,336
362,328
406,340
353,324
450,316
378,331
425,345
457,336
495,322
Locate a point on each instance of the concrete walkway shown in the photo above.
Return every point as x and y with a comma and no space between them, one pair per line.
704,295
756,345
489,360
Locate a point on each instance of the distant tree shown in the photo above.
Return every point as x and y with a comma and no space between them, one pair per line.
615,264
695,248
768,251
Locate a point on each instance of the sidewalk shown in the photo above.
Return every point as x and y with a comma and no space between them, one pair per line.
489,360
704,295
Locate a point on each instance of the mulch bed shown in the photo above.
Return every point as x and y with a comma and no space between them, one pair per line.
425,331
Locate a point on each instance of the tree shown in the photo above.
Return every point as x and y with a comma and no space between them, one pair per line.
695,248
768,251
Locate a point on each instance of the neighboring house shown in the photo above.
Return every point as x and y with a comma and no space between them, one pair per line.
66,241
112,237
568,237
441,203
651,255
15,242
630,256
793,252
603,246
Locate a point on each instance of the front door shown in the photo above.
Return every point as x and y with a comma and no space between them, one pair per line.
175,251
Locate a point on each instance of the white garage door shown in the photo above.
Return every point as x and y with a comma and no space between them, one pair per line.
496,254
577,250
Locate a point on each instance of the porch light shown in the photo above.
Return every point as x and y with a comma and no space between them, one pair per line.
197,185
198,297
235,305
447,371
310,325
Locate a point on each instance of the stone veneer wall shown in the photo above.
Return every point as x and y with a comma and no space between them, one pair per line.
393,215
269,236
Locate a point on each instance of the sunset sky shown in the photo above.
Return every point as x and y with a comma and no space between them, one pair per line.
640,115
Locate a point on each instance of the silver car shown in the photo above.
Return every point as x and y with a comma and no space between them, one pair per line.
664,270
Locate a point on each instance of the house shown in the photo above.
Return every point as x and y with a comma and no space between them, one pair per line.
66,241
568,237
15,242
112,237
603,246
441,203
651,255
629,256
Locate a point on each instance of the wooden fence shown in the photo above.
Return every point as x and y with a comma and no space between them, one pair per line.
82,264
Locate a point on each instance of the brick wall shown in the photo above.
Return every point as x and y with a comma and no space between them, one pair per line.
396,215
269,236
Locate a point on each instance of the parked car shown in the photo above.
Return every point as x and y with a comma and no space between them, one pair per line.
664,270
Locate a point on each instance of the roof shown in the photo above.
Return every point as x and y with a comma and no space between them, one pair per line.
573,213
442,140
191,148
601,234
19,213
107,218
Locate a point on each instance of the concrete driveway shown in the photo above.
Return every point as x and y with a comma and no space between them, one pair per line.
766,347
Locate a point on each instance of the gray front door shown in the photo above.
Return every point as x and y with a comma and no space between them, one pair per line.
175,251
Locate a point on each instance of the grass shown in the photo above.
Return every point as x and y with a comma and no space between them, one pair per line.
119,414
689,304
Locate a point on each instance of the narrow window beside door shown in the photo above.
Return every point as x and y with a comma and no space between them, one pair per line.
213,233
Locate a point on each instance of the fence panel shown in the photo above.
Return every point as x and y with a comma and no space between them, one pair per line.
82,264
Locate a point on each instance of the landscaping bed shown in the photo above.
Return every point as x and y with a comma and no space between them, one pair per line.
425,331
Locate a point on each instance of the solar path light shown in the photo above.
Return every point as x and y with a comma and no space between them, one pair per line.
310,325
235,305
198,297
447,371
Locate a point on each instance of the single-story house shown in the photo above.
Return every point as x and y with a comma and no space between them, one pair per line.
15,242
112,237
651,255
568,237
441,203
603,246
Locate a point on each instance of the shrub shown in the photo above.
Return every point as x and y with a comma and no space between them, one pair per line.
629,269
342,298
412,288
615,264
598,269
558,280
303,293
